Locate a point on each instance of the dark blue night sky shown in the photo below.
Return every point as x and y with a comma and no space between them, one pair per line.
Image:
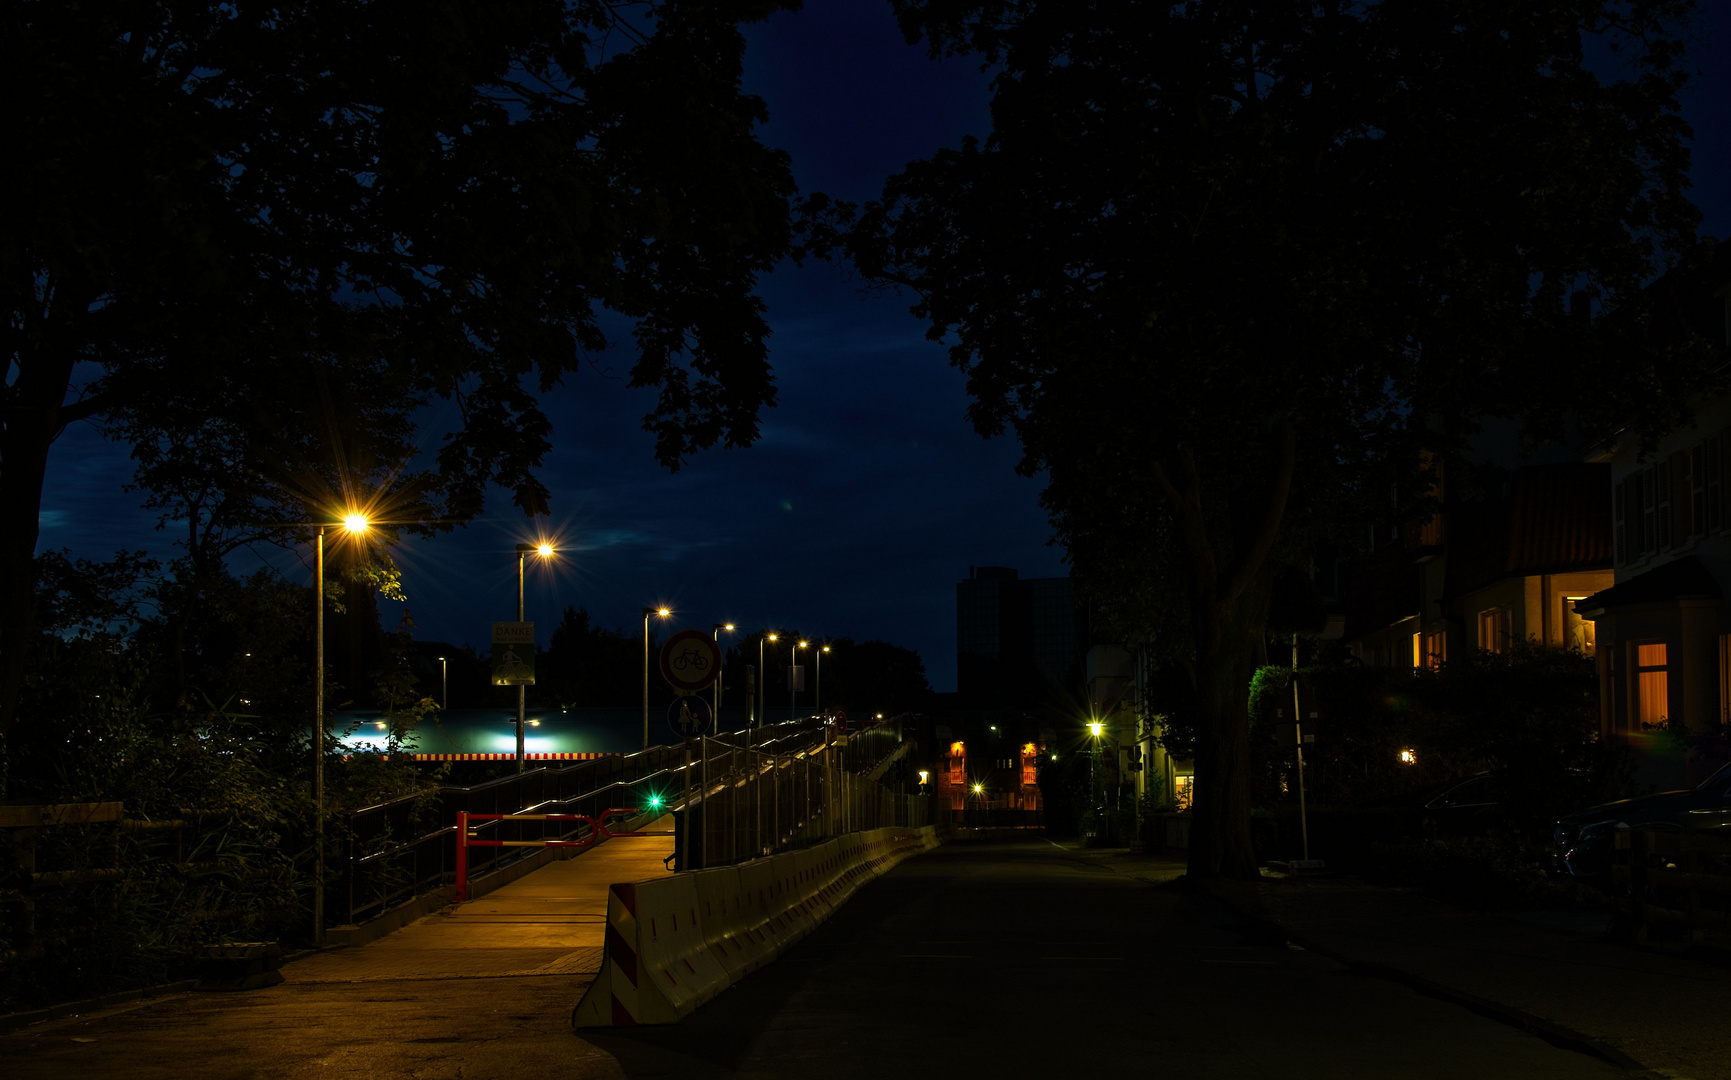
868,496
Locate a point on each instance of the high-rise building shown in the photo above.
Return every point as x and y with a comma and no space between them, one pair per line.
1013,635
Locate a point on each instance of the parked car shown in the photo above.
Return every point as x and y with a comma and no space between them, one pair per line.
1583,839
1469,807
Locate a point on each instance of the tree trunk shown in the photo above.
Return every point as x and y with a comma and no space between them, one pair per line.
33,417
1227,636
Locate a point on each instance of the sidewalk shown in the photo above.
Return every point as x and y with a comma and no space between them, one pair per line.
1547,970
550,922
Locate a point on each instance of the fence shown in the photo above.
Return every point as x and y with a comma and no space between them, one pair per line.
744,803
400,850
1673,886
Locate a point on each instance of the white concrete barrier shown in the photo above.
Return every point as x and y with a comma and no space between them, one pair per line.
675,942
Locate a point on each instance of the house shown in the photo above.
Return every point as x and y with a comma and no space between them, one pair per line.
1504,559
1662,626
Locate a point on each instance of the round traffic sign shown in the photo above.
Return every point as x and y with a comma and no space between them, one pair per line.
690,661
689,716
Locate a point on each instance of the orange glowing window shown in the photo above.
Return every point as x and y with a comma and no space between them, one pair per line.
1652,686
956,749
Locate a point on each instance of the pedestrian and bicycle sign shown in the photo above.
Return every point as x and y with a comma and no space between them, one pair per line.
689,716
690,661
513,654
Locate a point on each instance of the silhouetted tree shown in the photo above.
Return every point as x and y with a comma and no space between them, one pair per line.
1226,268
436,202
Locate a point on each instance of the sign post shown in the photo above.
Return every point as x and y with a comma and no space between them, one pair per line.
690,662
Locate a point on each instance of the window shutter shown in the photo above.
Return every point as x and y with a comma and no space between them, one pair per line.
1620,521
1698,490
1682,497
1712,485
1661,505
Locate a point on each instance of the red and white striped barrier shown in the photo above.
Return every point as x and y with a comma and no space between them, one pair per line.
673,943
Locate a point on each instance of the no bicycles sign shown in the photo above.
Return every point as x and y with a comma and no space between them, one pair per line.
690,661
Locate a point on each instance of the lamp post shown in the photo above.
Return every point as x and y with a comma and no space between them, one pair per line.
818,700
545,550
792,682
444,686
762,683
354,524
715,632
663,613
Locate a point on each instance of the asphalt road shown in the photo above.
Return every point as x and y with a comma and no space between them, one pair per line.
981,959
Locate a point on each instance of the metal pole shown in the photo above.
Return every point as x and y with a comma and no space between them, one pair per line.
319,745
703,833
444,686
1298,740
817,692
793,694
645,678
521,689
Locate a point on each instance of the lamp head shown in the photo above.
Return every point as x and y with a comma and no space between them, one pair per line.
355,522
663,612
805,645
771,637
544,549
1095,727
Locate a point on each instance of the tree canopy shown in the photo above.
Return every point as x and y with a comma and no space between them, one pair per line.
239,211
1227,270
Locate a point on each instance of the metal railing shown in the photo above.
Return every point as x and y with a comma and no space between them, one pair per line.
744,803
406,848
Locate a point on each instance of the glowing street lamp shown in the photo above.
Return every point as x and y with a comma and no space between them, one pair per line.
354,523
444,686
715,633
792,683
545,551
663,613
763,684
818,701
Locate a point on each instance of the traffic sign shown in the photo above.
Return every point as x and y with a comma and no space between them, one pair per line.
690,661
689,716
513,654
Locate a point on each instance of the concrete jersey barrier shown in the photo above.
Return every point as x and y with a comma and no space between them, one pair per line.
673,943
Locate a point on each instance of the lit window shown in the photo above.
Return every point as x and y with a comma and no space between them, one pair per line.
1183,788
1578,633
1496,626
1652,686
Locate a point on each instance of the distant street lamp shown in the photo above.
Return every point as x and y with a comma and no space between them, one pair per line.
757,702
663,613
545,550
715,632
792,681
353,524
818,701
444,686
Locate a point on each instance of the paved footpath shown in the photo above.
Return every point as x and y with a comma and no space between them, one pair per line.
547,923
1659,1012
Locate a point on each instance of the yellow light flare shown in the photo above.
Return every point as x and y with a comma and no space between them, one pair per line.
355,523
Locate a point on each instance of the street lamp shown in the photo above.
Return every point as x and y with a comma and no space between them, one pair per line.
715,632
663,613
762,683
444,686
545,550
353,525
792,682
819,698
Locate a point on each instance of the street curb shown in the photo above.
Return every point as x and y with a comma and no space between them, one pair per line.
14,1021
1556,1034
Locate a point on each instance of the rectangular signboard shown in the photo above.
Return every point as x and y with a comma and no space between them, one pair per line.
513,654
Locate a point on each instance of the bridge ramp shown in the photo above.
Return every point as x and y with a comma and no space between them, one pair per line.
549,922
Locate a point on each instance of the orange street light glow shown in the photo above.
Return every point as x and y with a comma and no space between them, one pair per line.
544,550
355,523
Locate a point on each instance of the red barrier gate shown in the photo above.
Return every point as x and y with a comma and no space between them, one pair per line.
597,830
